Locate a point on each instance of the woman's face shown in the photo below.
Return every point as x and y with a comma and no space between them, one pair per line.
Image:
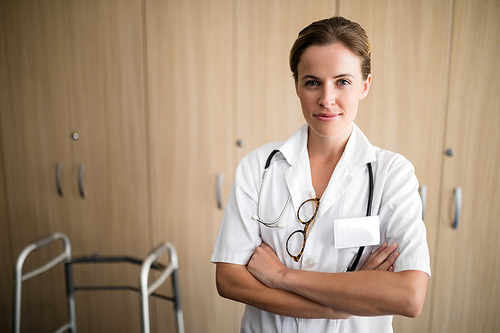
329,86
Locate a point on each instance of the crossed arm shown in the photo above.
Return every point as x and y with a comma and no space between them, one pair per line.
375,290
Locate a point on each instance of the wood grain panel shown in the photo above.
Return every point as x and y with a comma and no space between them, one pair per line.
105,65
31,103
190,82
267,105
467,293
104,52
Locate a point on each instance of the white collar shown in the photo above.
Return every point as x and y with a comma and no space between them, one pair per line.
358,151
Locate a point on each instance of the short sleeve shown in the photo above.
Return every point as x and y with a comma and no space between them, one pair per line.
401,213
239,235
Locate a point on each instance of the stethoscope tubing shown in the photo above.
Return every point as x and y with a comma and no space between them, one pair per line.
275,223
368,213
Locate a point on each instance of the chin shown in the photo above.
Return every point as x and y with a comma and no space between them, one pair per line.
331,132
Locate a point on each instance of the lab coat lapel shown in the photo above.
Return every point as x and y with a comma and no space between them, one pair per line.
339,182
298,181
298,175
358,152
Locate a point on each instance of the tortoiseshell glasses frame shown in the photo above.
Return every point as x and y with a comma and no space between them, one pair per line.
297,257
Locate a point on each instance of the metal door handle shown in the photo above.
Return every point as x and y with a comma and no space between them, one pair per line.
220,178
458,206
80,180
58,179
423,196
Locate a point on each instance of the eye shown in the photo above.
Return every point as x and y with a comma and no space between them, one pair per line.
343,82
311,83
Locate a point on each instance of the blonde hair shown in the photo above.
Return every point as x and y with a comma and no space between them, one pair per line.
330,31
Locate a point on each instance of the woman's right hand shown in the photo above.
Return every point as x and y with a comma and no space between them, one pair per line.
382,259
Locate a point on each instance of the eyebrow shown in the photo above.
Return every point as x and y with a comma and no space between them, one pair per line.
305,77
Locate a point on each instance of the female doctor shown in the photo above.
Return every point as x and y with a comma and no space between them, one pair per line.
323,232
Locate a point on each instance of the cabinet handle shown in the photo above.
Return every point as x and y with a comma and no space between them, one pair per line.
80,181
58,179
458,206
423,196
220,178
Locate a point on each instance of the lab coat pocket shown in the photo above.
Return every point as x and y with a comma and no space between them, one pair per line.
356,232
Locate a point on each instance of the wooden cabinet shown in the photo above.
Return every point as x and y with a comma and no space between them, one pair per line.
466,293
75,66
161,91
105,85
34,139
190,109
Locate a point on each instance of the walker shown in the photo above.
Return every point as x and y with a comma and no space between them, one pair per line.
145,290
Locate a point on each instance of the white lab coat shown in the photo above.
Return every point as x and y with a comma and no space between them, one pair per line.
395,201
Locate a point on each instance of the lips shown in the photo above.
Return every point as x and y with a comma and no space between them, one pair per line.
327,116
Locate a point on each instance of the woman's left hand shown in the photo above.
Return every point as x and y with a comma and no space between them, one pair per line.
382,259
266,266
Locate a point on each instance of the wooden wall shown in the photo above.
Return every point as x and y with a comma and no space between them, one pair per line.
168,95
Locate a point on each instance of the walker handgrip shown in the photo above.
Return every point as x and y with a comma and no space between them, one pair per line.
159,250
38,244
44,241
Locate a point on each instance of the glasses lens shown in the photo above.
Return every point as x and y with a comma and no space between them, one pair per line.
307,210
295,243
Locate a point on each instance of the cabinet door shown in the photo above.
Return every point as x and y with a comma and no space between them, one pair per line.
104,52
405,108
467,293
190,92
34,139
267,106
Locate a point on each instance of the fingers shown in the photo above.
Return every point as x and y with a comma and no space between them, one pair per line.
379,249
387,258
382,259
388,264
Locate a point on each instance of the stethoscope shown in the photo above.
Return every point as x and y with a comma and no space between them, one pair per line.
276,223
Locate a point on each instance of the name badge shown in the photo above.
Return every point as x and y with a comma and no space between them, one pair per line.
356,232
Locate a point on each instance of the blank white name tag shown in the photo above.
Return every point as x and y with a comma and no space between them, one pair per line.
356,232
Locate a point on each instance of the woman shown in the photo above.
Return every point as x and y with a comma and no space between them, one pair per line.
286,241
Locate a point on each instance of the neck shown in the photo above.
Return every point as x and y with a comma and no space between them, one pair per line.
324,154
327,148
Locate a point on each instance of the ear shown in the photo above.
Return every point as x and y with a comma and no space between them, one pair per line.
366,86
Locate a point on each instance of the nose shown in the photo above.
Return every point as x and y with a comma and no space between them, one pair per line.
327,97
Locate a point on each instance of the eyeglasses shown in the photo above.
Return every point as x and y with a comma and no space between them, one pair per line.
296,242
